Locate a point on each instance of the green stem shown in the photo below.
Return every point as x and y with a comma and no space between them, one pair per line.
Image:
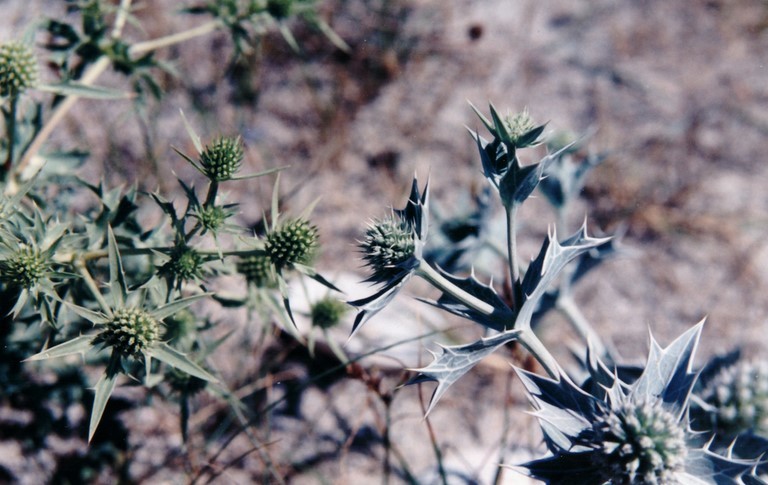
173,39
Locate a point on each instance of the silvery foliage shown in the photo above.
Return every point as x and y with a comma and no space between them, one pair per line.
624,424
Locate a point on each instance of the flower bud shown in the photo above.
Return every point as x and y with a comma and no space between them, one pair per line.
18,68
221,159
327,313
130,332
185,264
258,271
293,242
387,244
25,267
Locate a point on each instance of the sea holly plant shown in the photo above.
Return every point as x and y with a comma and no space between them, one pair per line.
130,328
623,424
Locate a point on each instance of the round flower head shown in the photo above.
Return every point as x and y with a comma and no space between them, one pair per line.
212,217
185,264
327,312
388,243
25,267
18,68
221,159
258,270
130,331
739,398
292,242
641,443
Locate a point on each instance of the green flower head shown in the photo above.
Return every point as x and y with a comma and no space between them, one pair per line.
292,242
130,332
327,313
388,244
258,271
185,264
18,68
221,159
25,267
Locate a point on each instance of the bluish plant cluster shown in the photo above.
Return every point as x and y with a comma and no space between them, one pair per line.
618,425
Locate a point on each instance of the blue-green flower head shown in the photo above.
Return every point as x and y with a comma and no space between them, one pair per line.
738,398
389,244
393,249
620,432
639,443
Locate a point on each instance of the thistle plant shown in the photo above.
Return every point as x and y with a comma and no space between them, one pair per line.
621,426
131,332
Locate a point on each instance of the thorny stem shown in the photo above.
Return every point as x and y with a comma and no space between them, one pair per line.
527,338
532,344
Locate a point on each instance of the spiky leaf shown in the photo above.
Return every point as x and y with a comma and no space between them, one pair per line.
453,362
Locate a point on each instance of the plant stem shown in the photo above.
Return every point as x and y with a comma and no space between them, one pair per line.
8,165
514,267
433,276
531,342
172,39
